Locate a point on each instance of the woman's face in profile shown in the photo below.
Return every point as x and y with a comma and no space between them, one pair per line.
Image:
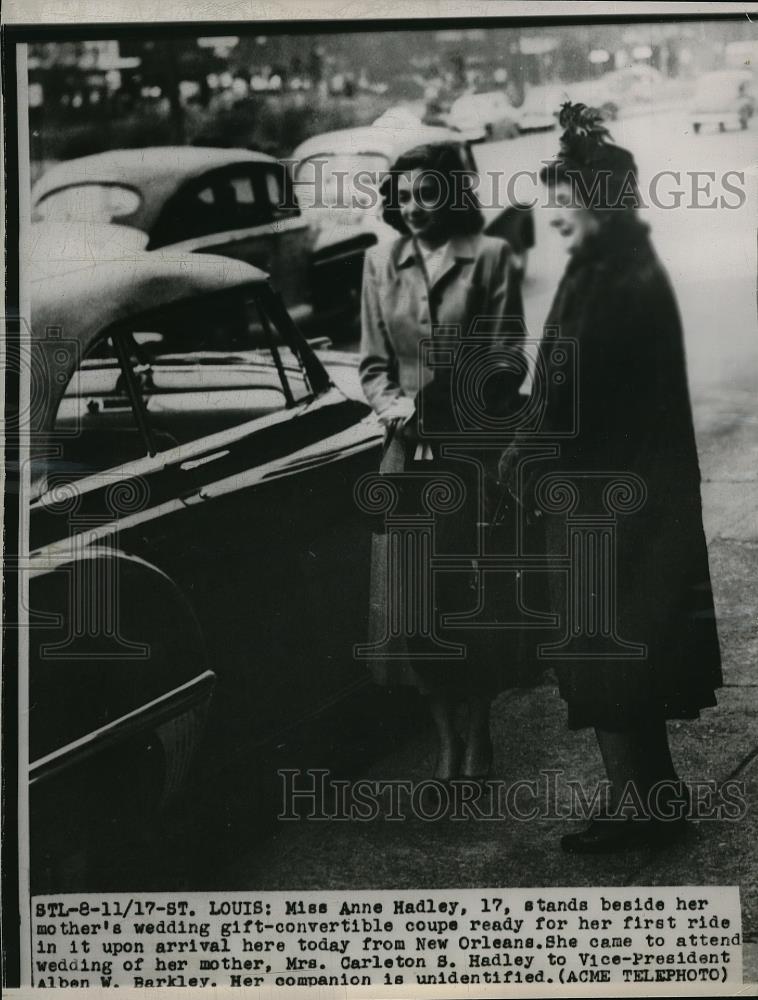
574,222
421,196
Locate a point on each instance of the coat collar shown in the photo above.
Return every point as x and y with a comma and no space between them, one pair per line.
622,235
458,248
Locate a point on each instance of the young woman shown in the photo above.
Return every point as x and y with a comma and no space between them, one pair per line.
441,271
629,391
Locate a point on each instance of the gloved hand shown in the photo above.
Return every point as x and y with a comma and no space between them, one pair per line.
507,471
402,408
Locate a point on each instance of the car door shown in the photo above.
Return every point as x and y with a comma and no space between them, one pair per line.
274,554
257,527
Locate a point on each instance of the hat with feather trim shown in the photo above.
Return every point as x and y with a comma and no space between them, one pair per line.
601,174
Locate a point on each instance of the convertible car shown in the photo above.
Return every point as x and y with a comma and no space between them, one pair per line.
191,527
191,199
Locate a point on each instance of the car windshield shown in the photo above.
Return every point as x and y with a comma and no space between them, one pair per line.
327,180
88,203
197,332
177,375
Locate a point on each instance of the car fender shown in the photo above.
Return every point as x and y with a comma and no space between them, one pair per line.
115,653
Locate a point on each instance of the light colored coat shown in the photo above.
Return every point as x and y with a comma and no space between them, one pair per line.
475,280
472,281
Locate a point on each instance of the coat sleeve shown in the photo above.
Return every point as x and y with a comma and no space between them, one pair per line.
378,364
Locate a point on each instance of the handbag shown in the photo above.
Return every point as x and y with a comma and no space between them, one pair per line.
388,667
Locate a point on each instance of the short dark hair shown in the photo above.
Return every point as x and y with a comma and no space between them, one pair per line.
442,160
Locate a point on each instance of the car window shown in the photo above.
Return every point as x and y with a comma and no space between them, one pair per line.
335,179
244,194
233,198
273,188
216,203
88,203
192,212
196,370
277,190
237,203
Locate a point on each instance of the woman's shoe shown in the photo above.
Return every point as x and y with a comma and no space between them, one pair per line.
606,835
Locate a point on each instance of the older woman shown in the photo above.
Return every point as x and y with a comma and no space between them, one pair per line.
656,655
441,271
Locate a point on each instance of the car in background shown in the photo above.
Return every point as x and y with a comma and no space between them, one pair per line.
437,106
540,108
197,199
191,519
399,116
621,91
634,86
723,99
488,116
337,175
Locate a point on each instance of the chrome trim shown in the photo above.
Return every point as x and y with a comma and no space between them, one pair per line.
158,711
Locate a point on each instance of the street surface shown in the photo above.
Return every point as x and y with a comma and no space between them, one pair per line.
711,257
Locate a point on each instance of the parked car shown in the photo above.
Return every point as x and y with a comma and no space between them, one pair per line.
724,99
191,521
540,108
400,116
488,116
621,91
337,175
194,199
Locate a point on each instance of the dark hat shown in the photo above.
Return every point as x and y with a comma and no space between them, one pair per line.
601,174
